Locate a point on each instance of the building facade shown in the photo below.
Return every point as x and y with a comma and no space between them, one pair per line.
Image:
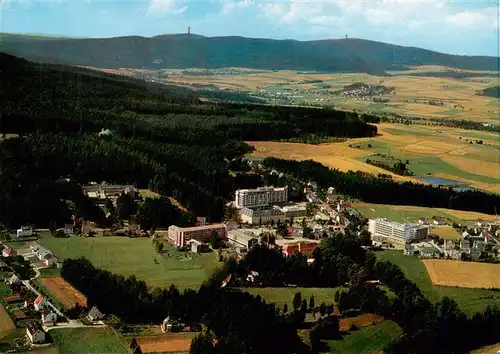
396,232
242,239
259,216
180,235
295,210
260,196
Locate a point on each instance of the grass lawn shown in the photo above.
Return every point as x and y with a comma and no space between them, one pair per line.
401,213
280,296
469,300
136,256
89,340
446,233
50,273
367,340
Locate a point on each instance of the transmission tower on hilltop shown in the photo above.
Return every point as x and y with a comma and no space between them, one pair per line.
189,30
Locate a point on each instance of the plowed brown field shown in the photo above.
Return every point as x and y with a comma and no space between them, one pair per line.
166,343
64,292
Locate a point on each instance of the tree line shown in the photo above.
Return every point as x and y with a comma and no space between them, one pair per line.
159,138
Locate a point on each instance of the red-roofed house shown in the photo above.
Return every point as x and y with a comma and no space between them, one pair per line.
306,248
39,303
8,252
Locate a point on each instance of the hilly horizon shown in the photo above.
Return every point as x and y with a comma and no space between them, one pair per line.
180,51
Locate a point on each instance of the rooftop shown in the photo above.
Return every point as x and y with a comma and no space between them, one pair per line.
197,228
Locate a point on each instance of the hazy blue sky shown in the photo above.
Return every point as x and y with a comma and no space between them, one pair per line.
452,26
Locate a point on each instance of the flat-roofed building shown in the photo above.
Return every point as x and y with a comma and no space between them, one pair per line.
293,210
261,215
260,196
242,239
180,235
397,232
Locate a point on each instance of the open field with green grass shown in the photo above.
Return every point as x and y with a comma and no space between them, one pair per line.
89,340
137,256
281,296
469,300
367,340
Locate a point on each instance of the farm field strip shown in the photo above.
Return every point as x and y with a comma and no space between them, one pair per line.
6,323
166,343
89,340
367,340
363,320
463,274
281,296
64,292
468,299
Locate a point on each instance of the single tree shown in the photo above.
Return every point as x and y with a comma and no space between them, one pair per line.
322,309
303,305
311,302
214,240
329,310
285,308
337,296
297,301
202,344
134,345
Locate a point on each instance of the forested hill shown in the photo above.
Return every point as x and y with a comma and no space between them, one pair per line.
194,51
161,139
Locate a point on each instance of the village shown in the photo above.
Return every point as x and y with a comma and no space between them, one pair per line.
264,215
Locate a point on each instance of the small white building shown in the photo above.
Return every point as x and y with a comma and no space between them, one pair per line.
49,318
35,333
24,231
95,314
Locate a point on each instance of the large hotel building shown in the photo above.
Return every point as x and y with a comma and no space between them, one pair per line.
260,196
179,236
400,233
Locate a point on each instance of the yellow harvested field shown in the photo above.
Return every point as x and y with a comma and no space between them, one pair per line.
490,349
468,215
336,155
463,274
446,233
6,324
488,169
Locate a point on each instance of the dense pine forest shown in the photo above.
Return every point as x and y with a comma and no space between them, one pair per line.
162,138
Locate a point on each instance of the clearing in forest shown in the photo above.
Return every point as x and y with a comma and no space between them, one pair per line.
463,274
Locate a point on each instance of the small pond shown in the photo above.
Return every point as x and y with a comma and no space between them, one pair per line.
439,181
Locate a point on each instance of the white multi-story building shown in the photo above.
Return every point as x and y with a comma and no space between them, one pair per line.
396,232
262,215
260,196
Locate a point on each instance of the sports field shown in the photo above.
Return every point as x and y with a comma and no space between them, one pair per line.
281,296
408,213
68,296
367,340
137,256
469,300
89,340
463,274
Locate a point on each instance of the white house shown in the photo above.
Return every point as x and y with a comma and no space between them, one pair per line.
39,303
49,260
8,252
49,318
13,279
24,231
35,332
95,314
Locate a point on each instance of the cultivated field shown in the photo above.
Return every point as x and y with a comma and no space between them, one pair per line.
469,300
68,296
490,349
363,320
89,340
137,256
440,152
463,274
367,340
446,233
6,324
281,296
166,343
409,213
413,94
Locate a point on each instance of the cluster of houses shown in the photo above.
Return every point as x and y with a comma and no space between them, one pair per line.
44,255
